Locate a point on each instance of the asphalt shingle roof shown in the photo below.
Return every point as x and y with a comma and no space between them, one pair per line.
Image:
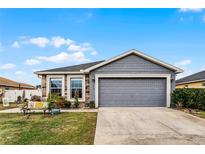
192,78
11,83
73,68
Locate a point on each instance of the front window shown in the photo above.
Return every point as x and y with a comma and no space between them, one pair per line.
76,88
56,86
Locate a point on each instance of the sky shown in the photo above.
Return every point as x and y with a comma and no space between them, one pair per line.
39,39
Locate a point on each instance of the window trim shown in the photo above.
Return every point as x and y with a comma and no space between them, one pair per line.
49,77
71,87
55,88
69,77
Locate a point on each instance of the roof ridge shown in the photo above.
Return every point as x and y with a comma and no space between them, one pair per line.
82,64
15,82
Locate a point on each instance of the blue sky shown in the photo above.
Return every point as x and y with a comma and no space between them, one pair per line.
38,39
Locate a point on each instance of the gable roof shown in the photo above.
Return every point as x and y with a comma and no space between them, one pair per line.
71,69
86,68
200,76
140,54
11,83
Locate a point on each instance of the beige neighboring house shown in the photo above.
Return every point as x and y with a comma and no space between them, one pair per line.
196,80
7,84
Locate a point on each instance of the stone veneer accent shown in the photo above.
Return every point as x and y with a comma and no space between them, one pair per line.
43,85
66,88
87,88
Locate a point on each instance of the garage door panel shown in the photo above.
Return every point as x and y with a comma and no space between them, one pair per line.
132,92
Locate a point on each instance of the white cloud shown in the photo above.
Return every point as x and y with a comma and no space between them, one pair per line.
56,42
32,62
74,47
93,53
7,66
186,72
16,44
59,41
183,62
20,73
190,10
39,41
81,48
78,57
61,57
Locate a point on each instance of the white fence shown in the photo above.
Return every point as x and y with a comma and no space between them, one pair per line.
13,94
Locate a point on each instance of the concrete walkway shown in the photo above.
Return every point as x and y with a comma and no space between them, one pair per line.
17,110
148,126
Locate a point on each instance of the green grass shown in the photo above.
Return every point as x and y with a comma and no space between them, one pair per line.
62,129
200,114
12,105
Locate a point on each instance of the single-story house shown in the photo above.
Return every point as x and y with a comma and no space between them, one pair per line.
131,79
196,80
7,84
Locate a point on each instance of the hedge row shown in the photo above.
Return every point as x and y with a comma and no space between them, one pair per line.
189,98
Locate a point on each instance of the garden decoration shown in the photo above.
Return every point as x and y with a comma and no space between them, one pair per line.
34,105
5,102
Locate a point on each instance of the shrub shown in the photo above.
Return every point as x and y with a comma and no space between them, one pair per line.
67,104
52,97
76,99
36,98
92,104
60,101
189,98
56,101
50,105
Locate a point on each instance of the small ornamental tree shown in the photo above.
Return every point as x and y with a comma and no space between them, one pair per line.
76,99
19,100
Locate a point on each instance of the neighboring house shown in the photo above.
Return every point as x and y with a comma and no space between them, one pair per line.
196,80
129,79
7,84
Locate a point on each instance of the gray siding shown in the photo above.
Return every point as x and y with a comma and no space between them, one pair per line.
131,64
140,92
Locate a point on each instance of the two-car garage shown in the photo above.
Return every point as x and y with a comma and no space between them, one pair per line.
132,79
132,92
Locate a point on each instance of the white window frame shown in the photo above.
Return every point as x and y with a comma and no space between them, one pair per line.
69,77
166,76
61,77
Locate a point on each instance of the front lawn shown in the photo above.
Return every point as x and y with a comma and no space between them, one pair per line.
194,112
62,129
200,114
12,105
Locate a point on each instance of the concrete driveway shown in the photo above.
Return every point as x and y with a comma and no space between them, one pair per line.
148,126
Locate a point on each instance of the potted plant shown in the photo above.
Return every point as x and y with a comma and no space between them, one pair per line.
92,104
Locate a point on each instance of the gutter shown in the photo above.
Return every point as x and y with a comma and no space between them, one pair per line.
181,83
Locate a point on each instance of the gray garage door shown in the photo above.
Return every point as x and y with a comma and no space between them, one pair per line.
119,92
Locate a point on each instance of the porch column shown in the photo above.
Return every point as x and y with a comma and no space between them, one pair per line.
87,88
43,85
